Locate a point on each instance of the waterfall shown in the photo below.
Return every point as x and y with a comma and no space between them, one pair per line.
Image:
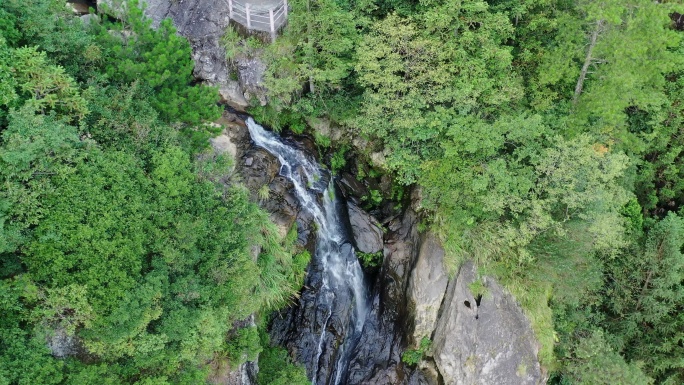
341,283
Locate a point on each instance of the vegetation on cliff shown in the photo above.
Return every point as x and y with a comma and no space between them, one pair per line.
124,256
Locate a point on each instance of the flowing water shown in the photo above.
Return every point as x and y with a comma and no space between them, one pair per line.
341,282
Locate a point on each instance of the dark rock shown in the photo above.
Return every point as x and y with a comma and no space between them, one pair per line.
399,375
306,231
351,187
377,357
282,204
261,170
304,143
314,328
366,229
677,21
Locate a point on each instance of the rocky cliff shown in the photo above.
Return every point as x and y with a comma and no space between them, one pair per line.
476,338
203,23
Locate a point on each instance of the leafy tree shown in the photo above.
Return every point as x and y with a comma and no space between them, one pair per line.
276,368
112,232
24,359
645,296
316,50
588,62
161,60
43,86
421,73
594,362
244,346
34,148
658,180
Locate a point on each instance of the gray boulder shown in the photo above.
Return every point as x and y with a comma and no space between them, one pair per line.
427,284
231,94
223,145
63,344
486,340
234,139
251,78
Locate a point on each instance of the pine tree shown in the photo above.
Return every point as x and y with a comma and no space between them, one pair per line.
645,299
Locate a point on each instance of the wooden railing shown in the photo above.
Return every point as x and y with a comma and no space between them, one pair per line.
258,15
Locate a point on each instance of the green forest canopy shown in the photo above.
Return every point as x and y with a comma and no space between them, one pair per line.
545,135
119,246
546,138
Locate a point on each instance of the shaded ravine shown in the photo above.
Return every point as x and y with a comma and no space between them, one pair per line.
325,326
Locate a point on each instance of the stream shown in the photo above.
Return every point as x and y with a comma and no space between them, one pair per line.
325,326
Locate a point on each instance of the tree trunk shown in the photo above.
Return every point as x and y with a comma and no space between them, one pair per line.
587,62
308,37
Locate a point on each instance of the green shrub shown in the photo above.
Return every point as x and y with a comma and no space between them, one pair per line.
414,356
338,160
244,346
276,367
370,260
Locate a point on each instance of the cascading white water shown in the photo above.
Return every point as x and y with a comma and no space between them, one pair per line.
341,271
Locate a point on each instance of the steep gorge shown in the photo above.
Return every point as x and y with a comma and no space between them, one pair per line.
483,340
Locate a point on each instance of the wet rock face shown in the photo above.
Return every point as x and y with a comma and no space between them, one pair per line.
484,340
259,172
377,357
299,328
351,187
366,229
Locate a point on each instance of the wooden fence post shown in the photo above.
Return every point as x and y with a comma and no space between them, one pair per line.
230,9
249,20
270,16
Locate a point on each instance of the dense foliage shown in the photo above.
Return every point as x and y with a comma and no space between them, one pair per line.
545,136
123,246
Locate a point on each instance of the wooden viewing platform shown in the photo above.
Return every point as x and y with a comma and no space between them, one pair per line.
259,15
